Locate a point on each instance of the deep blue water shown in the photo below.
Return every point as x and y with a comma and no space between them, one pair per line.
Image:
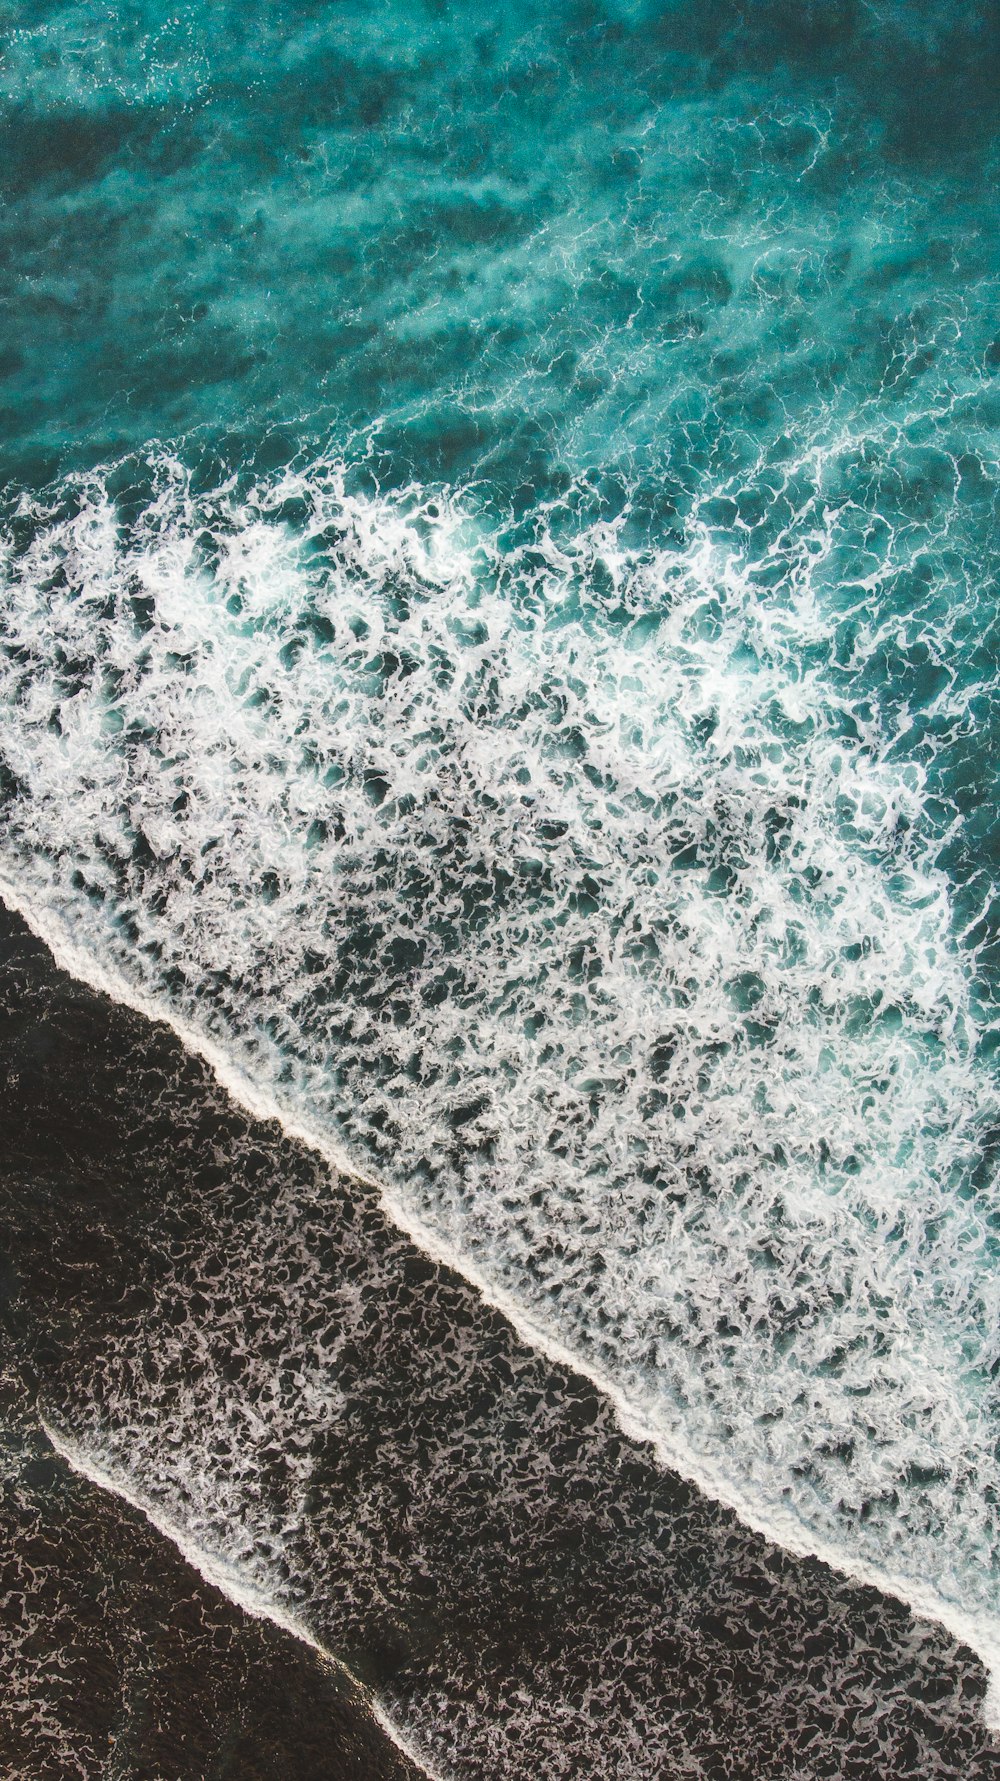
500,641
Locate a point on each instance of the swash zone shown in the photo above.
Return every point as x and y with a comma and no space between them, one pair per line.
499,634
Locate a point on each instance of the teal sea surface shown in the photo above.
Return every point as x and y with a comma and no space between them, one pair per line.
500,646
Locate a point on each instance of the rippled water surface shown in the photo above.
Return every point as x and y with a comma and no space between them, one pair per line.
499,645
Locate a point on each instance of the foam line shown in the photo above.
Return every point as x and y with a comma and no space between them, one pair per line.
981,1633
228,1582
581,925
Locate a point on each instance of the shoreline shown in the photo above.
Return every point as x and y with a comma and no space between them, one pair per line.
671,1455
223,1578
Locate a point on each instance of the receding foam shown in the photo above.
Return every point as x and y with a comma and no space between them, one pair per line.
231,1581
557,885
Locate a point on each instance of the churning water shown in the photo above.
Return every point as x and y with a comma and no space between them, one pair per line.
500,646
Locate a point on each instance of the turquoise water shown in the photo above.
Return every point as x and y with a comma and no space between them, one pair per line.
499,635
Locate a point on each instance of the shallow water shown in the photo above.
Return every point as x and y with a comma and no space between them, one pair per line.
331,1424
499,643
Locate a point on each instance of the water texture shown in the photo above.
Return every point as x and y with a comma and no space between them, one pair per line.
499,640
336,1428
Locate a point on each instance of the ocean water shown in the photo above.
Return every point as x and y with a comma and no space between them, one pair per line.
344,1437
499,647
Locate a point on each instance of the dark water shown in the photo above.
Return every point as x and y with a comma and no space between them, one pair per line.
498,644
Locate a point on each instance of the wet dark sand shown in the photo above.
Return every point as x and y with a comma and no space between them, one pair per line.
118,1659
188,1294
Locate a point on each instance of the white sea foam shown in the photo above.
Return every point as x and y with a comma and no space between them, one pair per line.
230,1580
561,890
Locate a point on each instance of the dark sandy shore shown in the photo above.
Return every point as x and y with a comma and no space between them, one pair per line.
256,1350
118,1659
